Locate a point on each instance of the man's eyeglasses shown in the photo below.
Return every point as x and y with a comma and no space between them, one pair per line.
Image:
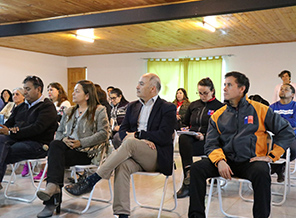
113,98
202,93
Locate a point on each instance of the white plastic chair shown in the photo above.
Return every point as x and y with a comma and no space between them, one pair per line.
286,186
13,178
160,208
90,197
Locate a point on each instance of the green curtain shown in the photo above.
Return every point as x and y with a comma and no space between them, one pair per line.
171,74
185,73
199,69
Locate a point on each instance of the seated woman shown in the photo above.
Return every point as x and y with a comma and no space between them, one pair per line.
182,103
196,119
18,98
82,129
119,105
58,96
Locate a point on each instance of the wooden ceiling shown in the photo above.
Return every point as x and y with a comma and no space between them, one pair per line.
247,28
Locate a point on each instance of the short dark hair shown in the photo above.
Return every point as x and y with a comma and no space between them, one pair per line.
281,74
291,87
207,82
240,79
37,82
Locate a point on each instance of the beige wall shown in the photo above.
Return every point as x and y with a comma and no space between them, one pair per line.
15,65
261,63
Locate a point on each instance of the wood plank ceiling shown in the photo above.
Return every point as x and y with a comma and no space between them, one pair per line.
248,28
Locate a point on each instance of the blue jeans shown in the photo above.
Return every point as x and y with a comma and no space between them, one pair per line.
12,151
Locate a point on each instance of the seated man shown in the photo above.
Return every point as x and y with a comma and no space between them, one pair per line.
31,125
285,107
147,144
236,146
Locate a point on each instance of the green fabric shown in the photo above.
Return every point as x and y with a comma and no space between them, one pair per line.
185,73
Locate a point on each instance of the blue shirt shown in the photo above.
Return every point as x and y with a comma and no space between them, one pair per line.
287,111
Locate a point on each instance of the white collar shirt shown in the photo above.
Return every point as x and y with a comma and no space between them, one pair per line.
145,113
35,102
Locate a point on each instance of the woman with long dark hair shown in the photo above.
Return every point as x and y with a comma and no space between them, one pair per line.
82,129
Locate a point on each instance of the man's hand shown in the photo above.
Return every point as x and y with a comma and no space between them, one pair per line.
149,143
264,158
4,130
224,170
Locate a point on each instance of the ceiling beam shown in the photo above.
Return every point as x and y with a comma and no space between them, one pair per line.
141,15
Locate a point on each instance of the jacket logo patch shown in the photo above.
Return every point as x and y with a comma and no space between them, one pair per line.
210,112
249,119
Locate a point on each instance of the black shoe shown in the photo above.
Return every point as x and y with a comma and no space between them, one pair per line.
78,189
281,174
183,192
123,216
49,209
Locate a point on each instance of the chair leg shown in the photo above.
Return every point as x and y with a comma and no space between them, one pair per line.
160,208
37,188
210,196
90,198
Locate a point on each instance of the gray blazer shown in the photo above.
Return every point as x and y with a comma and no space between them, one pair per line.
90,136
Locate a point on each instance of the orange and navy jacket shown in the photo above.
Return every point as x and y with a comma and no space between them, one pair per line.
238,134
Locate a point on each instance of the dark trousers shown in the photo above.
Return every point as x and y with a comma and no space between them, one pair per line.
12,151
189,146
60,156
257,172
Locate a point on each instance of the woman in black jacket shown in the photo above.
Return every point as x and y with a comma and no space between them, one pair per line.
196,119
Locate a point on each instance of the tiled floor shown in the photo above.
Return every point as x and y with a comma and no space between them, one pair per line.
150,191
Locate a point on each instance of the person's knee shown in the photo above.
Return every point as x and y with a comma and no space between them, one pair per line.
197,168
129,143
55,145
261,171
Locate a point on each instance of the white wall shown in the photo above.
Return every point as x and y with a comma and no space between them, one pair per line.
118,70
261,64
15,65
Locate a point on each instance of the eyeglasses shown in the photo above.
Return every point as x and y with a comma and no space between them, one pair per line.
202,93
113,98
